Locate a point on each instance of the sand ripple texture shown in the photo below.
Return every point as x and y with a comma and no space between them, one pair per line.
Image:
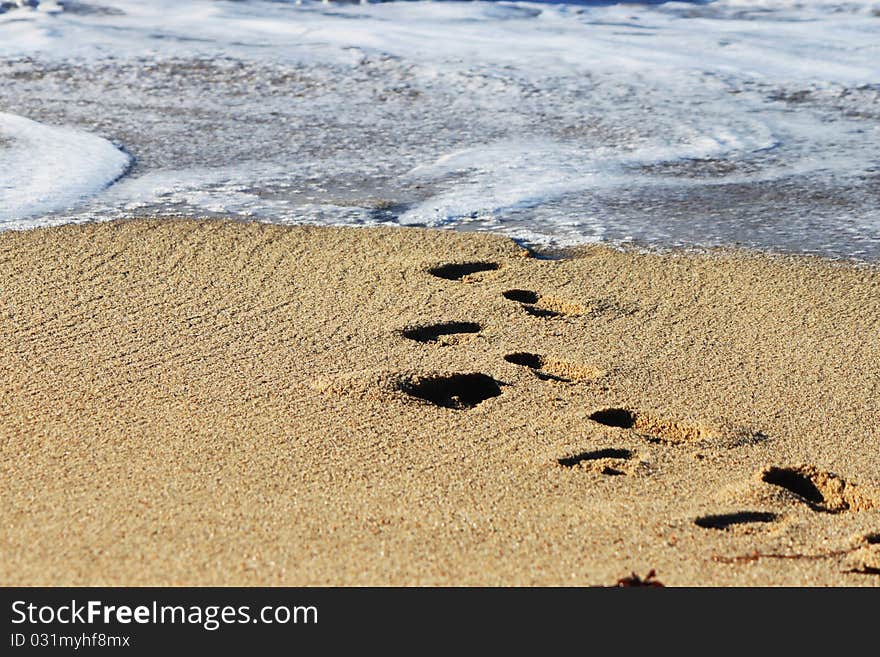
193,402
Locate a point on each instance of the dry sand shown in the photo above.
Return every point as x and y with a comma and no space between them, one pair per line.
224,403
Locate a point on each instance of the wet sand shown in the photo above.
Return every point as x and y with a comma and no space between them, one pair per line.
225,403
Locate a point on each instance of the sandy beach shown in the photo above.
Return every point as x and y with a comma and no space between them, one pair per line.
226,403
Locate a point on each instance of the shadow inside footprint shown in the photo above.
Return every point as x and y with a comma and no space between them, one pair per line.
456,391
433,332
727,520
821,491
608,453
864,569
532,361
457,271
521,296
795,482
615,417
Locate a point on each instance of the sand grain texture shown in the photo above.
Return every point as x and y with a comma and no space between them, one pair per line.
194,403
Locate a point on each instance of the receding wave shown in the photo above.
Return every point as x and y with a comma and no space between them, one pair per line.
49,168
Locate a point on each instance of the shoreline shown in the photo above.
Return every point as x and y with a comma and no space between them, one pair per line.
537,251
238,403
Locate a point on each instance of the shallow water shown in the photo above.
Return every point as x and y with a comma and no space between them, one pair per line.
728,122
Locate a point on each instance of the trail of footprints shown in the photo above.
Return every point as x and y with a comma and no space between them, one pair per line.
822,492
462,391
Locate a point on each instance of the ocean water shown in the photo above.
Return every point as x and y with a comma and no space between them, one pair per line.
750,122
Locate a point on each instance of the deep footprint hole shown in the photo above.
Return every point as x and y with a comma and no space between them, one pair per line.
457,391
521,296
725,520
533,361
457,271
615,417
432,332
608,453
795,482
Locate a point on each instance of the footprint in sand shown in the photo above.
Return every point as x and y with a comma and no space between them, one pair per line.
442,333
548,307
656,430
458,391
609,461
456,271
544,306
548,368
824,492
667,431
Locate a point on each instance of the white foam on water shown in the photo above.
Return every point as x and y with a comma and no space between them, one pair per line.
47,168
817,41
561,107
493,179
